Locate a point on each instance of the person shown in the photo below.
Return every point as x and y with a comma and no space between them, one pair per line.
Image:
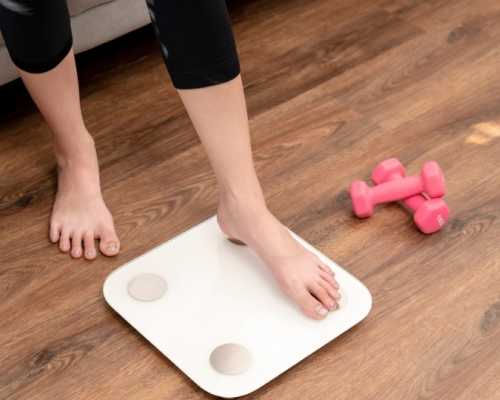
200,54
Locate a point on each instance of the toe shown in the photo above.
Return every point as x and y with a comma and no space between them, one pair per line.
76,244
64,241
325,267
310,306
332,291
55,232
318,291
89,246
109,243
329,278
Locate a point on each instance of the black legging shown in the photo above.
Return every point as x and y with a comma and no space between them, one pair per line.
195,36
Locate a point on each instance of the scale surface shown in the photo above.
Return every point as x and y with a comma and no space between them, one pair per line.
214,310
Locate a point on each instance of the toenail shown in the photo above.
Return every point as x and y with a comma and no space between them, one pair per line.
321,310
112,247
337,296
90,253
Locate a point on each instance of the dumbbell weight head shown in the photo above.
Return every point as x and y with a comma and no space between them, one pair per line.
387,170
362,204
433,179
431,215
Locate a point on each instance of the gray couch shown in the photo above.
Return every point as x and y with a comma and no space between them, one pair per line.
93,22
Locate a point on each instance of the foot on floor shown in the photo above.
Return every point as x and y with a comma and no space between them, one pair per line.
79,215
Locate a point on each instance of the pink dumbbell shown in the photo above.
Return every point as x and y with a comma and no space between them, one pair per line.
365,198
429,214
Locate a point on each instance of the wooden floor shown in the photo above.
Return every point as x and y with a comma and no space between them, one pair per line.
333,87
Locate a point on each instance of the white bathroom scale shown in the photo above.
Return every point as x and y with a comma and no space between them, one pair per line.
215,311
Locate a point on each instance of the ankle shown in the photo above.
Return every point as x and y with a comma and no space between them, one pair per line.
78,152
235,200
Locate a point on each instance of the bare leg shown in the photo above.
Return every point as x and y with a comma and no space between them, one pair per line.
79,214
220,118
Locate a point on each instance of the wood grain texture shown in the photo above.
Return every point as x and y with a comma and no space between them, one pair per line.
333,87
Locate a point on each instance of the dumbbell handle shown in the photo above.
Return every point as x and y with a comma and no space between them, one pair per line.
397,189
412,202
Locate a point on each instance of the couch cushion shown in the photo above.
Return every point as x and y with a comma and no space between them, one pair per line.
78,6
75,7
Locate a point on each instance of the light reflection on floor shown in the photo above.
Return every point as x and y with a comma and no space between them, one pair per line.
483,133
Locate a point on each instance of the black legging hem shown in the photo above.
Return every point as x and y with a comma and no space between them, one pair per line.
207,76
46,65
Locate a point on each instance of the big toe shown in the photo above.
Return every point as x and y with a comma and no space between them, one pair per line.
109,244
310,306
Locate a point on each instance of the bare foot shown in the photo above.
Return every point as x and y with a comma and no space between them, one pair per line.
301,274
79,215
